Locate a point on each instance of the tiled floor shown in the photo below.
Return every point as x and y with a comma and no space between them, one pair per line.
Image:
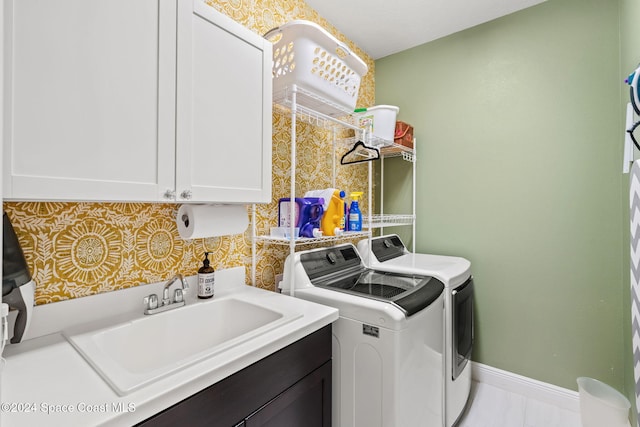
494,407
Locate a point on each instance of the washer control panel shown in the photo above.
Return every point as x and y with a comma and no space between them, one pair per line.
325,261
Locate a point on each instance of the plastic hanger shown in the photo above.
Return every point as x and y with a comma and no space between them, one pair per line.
360,153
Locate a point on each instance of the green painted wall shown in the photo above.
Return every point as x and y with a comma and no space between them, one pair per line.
518,123
630,58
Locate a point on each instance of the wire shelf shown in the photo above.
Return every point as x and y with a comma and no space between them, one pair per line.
302,106
301,241
380,221
397,150
314,109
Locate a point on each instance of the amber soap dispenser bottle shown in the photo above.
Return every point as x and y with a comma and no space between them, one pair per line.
206,278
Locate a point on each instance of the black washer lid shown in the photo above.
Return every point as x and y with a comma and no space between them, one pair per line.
409,292
340,269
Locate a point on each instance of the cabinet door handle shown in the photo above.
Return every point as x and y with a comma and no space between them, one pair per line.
169,195
186,194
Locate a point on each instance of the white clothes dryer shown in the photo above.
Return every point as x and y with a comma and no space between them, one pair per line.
387,342
388,253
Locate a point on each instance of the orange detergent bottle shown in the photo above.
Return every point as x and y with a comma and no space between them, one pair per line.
332,223
333,219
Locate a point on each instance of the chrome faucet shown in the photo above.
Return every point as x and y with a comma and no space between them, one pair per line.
151,301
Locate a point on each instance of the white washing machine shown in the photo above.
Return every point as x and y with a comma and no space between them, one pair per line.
387,342
388,253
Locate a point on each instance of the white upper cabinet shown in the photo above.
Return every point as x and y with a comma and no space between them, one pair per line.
125,100
91,99
224,108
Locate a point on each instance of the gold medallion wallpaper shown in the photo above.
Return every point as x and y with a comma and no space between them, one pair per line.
81,249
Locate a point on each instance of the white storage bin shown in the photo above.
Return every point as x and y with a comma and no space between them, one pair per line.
305,54
381,121
602,405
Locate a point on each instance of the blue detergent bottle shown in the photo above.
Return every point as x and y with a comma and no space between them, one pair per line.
355,216
307,215
313,213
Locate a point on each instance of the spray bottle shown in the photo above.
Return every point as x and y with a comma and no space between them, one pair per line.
355,216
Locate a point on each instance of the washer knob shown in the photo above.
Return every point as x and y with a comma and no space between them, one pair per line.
331,257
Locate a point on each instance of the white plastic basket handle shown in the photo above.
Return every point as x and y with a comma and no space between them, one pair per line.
342,50
272,33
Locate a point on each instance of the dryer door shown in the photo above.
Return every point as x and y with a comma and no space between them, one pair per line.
462,313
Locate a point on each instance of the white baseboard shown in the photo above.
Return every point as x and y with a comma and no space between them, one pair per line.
528,387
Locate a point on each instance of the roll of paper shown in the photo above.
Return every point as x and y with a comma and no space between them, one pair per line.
200,221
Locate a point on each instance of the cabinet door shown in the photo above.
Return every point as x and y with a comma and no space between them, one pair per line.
307,403
224,109
90,99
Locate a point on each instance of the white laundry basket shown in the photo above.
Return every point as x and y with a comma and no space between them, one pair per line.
381,121
601,405
305,54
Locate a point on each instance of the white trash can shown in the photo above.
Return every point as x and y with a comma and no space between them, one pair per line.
601,405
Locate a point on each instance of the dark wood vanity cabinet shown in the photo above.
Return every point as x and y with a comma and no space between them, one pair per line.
291,387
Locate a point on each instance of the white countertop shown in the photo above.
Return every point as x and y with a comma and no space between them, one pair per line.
45,381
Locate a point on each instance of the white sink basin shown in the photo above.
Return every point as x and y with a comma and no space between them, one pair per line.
132,354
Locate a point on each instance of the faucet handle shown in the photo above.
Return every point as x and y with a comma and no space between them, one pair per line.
185,284
151,301
178,295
